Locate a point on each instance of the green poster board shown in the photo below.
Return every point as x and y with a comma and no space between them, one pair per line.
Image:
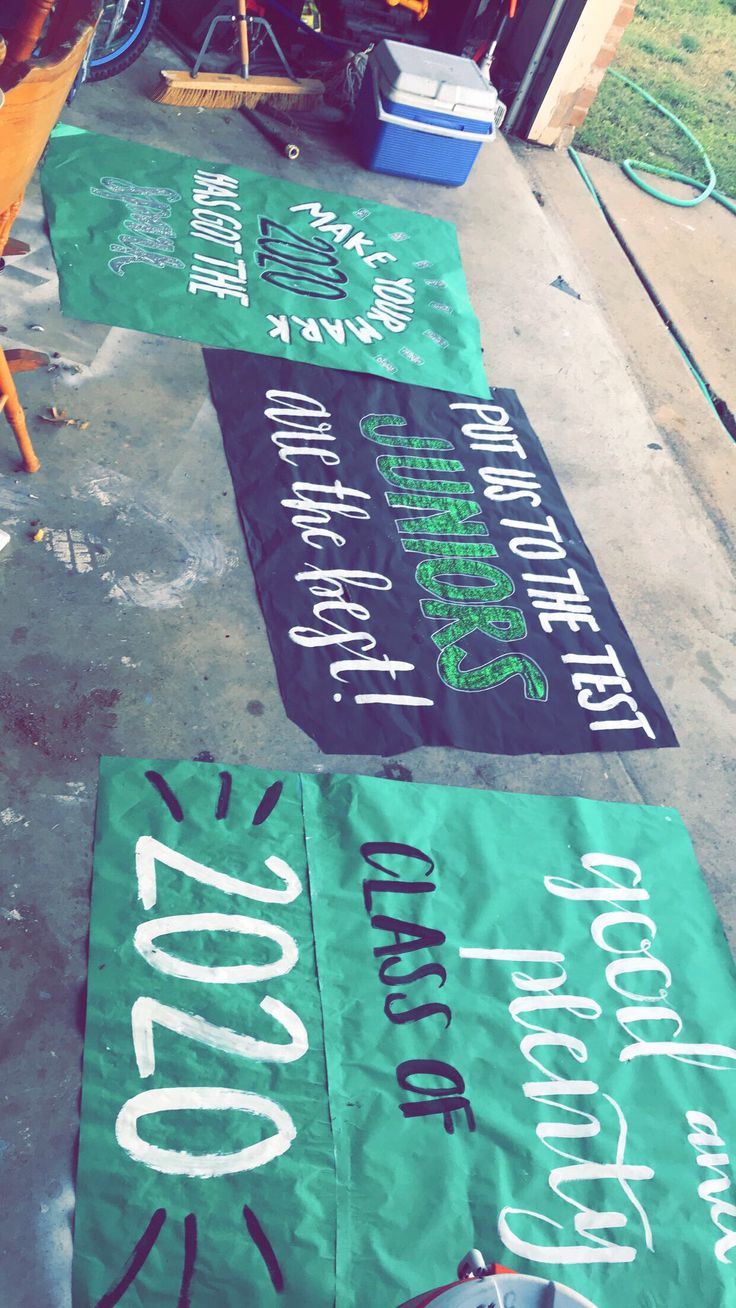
518,1032
213,253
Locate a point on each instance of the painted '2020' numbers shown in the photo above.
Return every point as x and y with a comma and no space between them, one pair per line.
147,1013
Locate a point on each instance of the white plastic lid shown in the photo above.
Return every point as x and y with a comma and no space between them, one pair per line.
443,82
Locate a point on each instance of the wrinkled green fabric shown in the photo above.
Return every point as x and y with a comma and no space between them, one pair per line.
142,241
585,1064
293,1196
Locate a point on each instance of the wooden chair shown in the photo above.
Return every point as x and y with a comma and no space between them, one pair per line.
32,95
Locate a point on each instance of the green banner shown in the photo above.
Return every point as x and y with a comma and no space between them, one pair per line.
203,1041
213,253
518,1033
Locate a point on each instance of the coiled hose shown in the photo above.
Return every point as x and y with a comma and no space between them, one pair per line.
632,167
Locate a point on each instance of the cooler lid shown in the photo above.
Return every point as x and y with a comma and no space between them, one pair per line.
430,78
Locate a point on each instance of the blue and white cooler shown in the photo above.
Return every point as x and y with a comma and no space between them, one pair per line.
422,113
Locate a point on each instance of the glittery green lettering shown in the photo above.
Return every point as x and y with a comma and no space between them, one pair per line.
471,549
388,463
492,674
369,428
448,517
497,621
498,583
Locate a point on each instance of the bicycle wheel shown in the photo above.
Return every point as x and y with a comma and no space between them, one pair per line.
137,29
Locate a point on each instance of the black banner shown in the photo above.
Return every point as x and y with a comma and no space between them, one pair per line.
421,577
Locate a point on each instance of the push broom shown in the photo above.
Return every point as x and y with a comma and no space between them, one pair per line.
227,90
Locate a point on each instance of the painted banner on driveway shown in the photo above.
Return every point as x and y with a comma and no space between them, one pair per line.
214,253
340,1030
422,579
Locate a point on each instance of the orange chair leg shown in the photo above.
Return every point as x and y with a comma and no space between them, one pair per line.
7,218
14,413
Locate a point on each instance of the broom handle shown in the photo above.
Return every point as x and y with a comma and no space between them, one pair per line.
243,34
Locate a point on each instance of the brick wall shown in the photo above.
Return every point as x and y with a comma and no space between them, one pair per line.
575,85
589,89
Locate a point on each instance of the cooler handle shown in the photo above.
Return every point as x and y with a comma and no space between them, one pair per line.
429,128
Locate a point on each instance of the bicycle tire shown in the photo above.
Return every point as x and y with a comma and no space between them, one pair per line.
99,71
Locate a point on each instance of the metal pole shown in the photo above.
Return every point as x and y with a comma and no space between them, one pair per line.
540,50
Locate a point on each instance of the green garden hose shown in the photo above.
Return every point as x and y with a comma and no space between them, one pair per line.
632,167
584,174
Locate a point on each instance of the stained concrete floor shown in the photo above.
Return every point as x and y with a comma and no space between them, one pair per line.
133,628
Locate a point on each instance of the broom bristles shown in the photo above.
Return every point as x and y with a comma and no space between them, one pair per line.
225,91
197,97
297,99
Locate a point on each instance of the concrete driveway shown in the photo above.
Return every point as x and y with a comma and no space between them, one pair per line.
689,258
176,663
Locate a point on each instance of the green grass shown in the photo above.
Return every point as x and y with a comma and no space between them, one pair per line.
684,53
